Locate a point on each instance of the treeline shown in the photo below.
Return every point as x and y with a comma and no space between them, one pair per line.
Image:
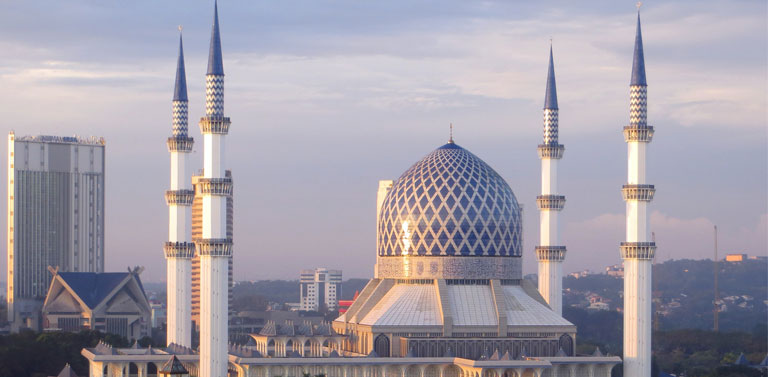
694,352
28,353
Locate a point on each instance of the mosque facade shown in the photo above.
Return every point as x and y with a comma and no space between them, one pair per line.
447,299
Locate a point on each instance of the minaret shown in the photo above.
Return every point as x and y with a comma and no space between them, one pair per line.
638,250
179,250
214,248
549,252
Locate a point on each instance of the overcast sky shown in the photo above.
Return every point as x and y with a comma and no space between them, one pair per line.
328,97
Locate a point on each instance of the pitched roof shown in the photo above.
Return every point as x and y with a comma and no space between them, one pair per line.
638,61
67,372
93,287
173,366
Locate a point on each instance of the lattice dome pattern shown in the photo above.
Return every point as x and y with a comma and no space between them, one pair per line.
450,203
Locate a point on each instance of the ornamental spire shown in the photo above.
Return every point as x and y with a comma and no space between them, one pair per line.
550,99
180,90
215,64
638,62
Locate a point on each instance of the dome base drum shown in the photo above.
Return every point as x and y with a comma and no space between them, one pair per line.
448,267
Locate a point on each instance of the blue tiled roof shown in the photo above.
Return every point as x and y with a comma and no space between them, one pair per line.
215,63
550,98
93,287
638,62
180,89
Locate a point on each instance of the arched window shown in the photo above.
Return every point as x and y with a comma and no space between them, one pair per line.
566,343
381,345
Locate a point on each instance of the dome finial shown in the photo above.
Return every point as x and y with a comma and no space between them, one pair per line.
450,134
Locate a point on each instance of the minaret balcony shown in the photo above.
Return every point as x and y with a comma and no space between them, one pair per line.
553,151
550,253
550,202
179,197
643,193
638,134
214,125
180,144
217,247
215,186
179,249
638,250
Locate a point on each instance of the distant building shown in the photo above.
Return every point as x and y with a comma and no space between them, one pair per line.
616,270
735,257
345,304
320,289
599,306
55,217
111,302
158,313
197,233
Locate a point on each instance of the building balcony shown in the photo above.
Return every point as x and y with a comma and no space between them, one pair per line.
643,193
211,125
550,202
215,186
638,250
219,247
553,151
179,249
639,134
180,144
179,197
550,253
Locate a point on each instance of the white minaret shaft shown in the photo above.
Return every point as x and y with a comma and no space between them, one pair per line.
550,253
214,248
638,251
179,250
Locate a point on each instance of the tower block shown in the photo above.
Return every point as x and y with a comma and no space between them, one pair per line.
179,249
638,250
214,247
549,252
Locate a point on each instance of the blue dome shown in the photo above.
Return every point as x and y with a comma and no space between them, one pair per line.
450,203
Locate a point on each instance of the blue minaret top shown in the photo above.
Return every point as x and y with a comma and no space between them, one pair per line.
180,90
638,62
215,64
550,99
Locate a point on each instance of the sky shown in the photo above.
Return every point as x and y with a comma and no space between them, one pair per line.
328,97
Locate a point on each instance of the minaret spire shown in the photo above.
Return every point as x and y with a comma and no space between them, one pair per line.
638,61
215,60
180,89
179,249
214,247
550,98
550,253
639,249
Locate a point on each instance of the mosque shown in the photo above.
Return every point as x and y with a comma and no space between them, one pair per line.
448,298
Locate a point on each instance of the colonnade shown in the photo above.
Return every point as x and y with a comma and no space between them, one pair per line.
306,346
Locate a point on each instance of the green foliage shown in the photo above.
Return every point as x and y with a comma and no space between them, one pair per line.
29,353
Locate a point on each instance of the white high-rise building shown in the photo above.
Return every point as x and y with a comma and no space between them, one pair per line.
549,252
320,289
55,217
179,249
214,248
638,250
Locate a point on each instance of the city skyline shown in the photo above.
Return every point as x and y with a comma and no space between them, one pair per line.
323,159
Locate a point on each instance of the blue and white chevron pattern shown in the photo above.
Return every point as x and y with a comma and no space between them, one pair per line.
638,106
214,96
180,118
550,126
